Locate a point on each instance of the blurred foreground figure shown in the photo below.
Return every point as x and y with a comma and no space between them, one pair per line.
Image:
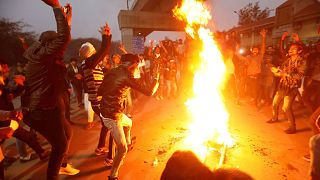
315,154
184,165
45,85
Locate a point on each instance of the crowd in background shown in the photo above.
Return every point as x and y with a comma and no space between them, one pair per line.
264,76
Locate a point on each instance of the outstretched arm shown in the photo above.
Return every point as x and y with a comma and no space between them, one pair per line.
63,20
104,48
122,49
263,34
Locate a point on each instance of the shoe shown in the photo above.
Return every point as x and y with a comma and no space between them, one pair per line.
290,130
68,170
161,97
112,178
272,121
157,98
45,155
307,157
90,125
27,158
101,151
108,162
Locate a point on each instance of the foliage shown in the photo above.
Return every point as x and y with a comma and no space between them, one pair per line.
11,49
252,13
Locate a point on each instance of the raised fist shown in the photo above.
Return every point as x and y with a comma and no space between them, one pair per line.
105,30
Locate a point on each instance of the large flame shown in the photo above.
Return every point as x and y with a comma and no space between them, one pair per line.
208,112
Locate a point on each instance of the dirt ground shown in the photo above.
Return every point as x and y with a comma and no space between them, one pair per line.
262,150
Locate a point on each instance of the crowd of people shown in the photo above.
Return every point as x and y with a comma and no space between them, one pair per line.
106,86
278,76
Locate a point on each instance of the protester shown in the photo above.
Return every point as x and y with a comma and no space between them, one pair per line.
113,90
253,62
315,153
93,76
311,98
158,65
75,77
7,131
44,86
290,73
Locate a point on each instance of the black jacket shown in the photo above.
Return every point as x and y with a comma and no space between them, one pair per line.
114,90
45,69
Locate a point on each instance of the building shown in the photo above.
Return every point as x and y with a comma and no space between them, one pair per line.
293,16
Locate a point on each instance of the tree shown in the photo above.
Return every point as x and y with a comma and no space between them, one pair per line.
11,49
252,13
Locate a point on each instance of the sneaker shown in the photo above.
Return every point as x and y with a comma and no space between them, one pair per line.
112,178
68,170
90,125
27,158
307,157
45,155
290,130
101,151
272,121
108,162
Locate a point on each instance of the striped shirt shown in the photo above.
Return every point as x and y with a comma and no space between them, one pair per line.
93,79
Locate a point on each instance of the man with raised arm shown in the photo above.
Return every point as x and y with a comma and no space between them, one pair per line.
44,86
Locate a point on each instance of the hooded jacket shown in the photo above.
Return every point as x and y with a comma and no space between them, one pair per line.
45,69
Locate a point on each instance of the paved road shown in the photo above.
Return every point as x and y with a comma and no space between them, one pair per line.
261,149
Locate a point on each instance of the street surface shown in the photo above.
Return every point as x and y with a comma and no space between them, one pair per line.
262,150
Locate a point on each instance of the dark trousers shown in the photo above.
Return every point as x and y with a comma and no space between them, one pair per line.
252,87
1,170
77,87
103,132
57,131
287,98
311,95
29,138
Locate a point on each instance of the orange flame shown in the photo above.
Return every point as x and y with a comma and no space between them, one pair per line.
209,114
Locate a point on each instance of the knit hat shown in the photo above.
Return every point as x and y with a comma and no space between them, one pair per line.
129,59
86,50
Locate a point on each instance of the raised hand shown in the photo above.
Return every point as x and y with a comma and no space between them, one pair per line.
295,36
263,32
68,12
284,35
52,3
122,48
105,30
19,79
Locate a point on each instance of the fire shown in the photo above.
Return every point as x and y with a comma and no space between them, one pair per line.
207,109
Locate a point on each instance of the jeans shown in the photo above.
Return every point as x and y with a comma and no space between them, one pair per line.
120,131
28,138
56,130
287,99
315,156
